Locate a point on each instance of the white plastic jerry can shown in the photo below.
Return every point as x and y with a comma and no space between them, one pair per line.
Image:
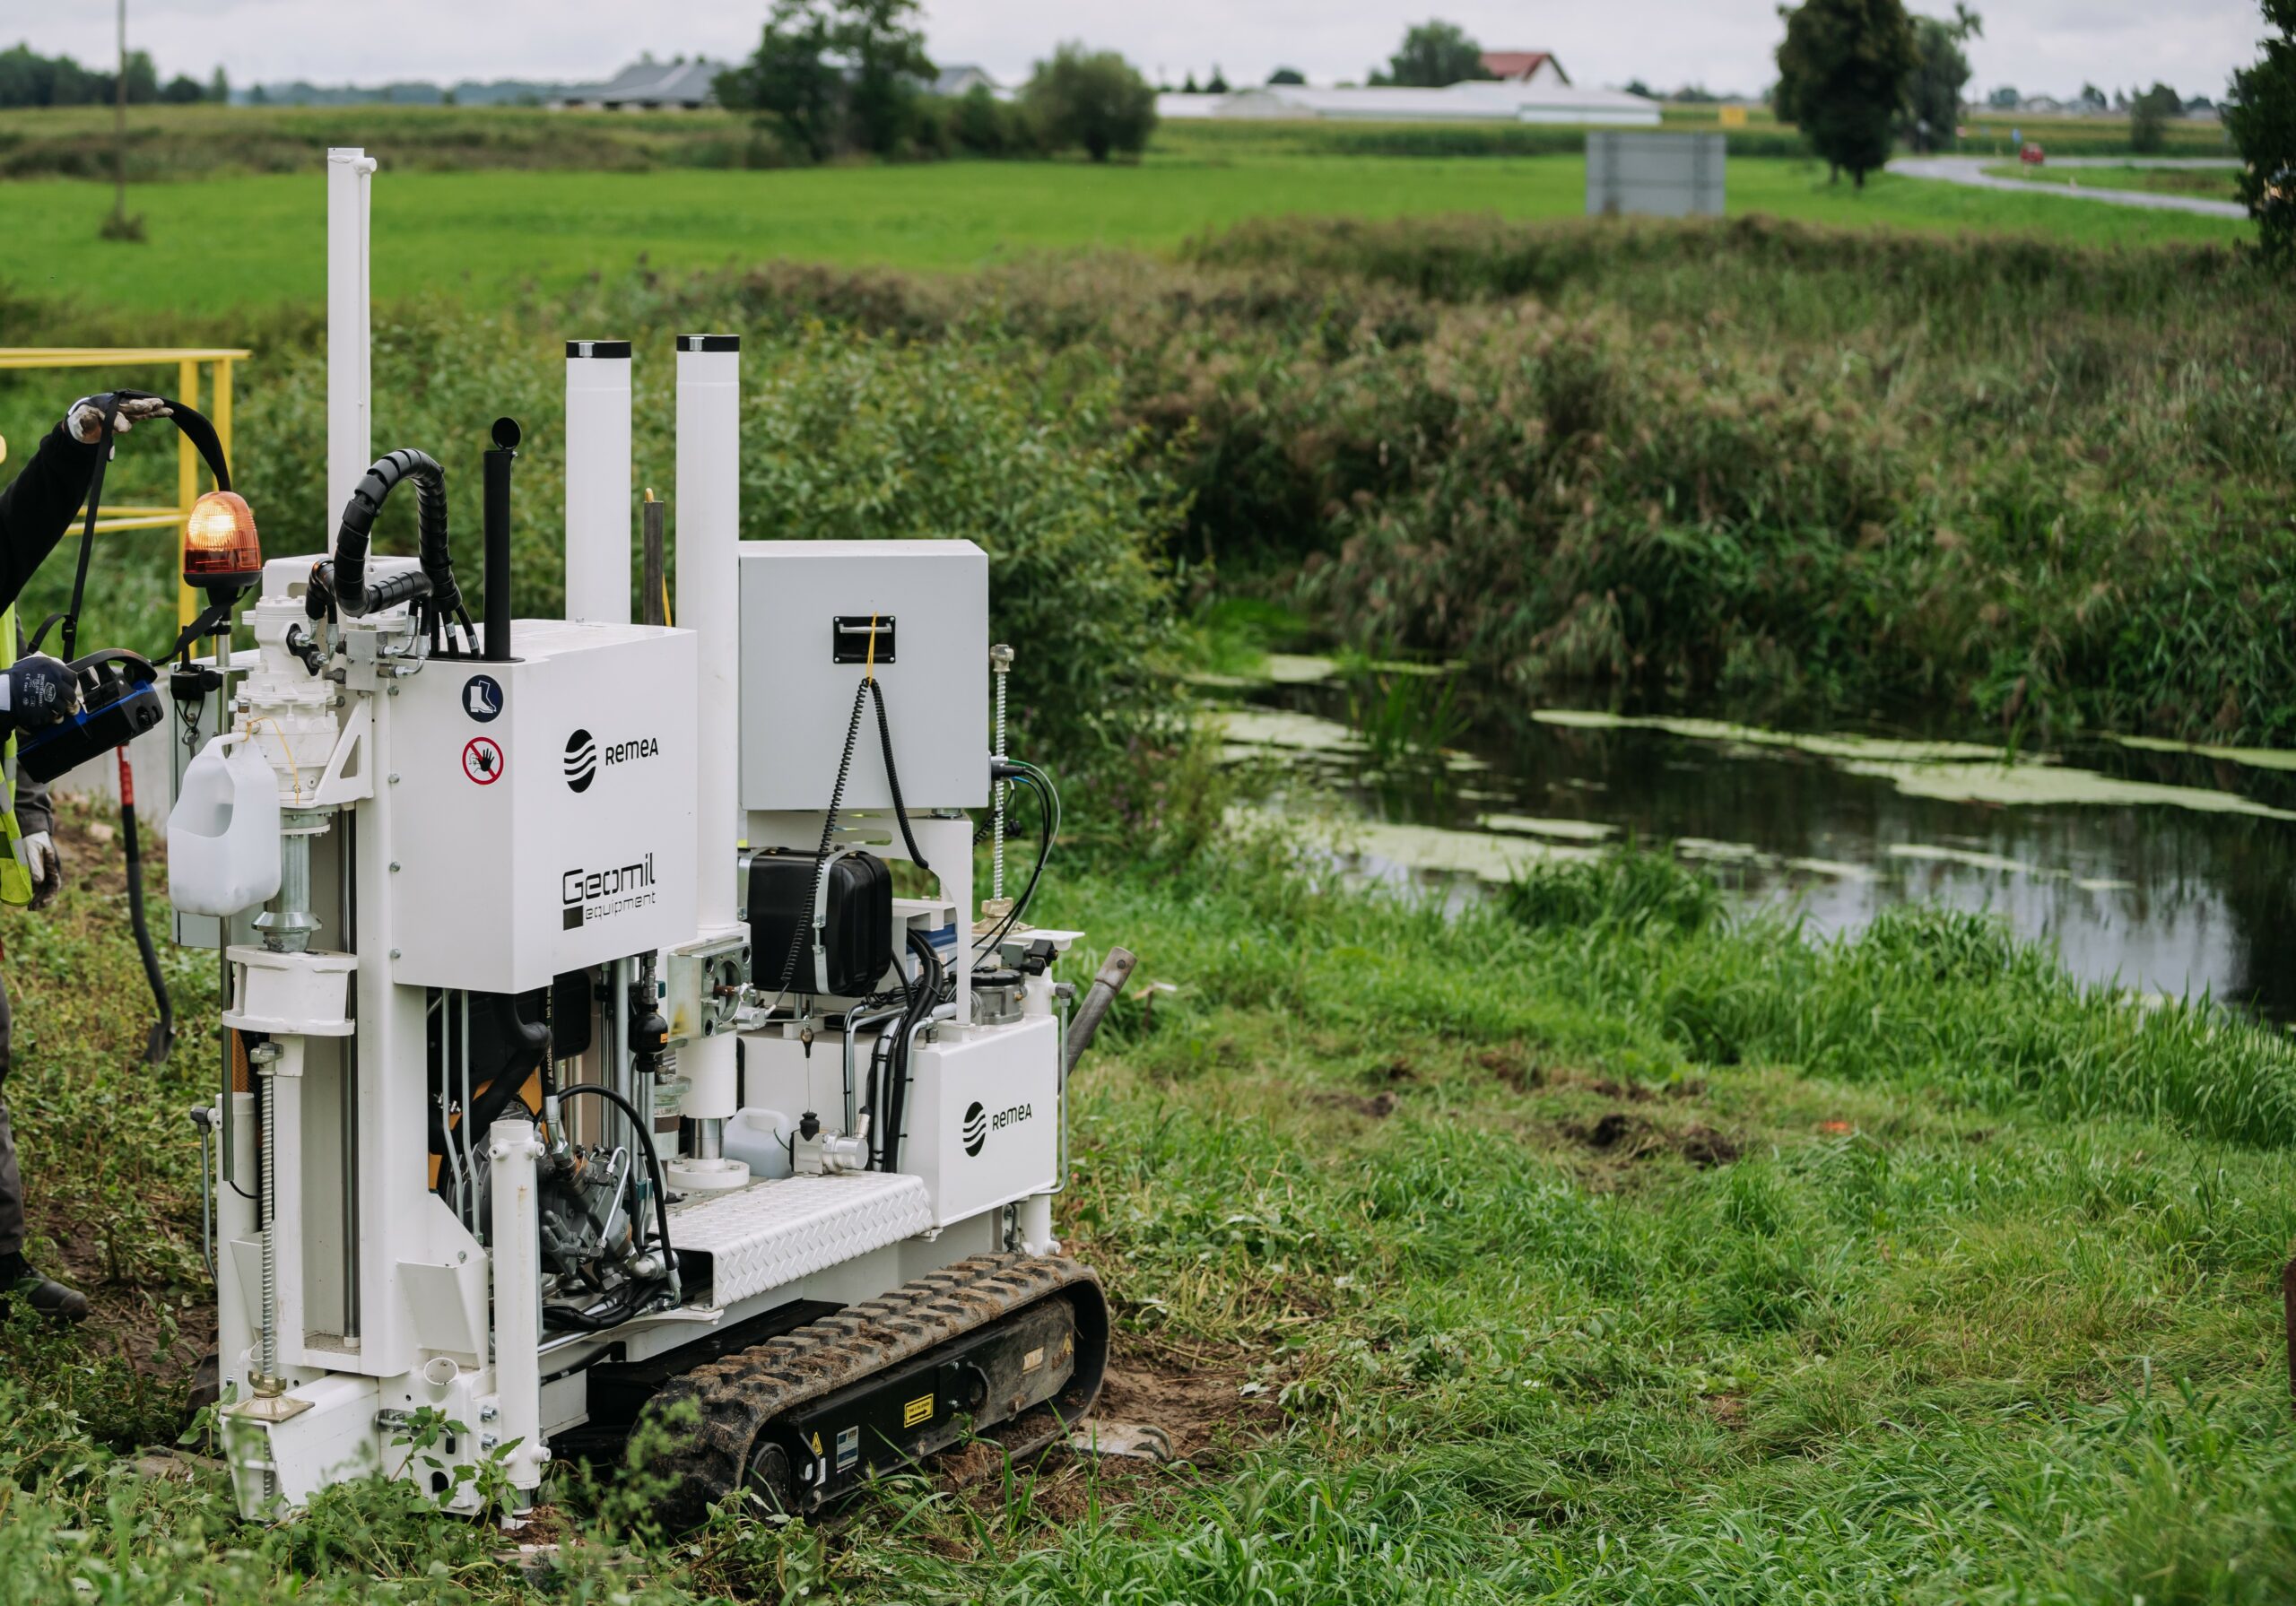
224,832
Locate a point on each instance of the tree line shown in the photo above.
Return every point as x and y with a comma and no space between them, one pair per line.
834,78
27,78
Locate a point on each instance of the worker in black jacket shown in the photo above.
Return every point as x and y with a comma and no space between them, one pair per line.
35,512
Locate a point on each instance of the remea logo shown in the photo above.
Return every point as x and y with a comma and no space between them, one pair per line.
979,1123
584,757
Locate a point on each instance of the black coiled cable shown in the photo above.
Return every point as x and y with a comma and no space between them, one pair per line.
829,835
870,689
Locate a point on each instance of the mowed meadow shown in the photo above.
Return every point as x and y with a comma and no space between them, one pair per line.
1592,1240
484,206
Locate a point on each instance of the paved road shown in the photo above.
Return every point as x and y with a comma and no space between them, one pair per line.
1970,171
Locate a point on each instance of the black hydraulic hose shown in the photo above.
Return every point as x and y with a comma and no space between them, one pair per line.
162,1039
193,426
892,775
931,977
1048,801
645,1130
436,577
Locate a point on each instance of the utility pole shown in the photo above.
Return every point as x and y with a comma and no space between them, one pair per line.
119,130
119,225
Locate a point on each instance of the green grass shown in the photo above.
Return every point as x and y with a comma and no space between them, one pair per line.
2215,184
1600,1250
482,237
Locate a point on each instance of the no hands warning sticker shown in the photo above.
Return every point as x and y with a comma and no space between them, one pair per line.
483,760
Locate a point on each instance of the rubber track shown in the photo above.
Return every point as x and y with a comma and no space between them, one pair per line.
738,1396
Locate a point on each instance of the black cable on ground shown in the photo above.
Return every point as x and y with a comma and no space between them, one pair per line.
162,1039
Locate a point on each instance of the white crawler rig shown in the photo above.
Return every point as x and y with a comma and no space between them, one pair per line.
580,1060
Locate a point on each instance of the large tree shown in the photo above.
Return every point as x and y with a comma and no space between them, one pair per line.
1433,54
831,75
2262,118
1934,97
883,47
1092,99
1842,74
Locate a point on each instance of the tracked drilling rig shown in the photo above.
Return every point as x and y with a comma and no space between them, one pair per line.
581,1063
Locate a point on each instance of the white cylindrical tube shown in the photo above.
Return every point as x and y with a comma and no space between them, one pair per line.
516,1261
597,481
709,516
350,441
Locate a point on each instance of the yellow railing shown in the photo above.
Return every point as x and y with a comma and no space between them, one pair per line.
188,360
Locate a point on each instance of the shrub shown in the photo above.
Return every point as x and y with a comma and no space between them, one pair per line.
1092,99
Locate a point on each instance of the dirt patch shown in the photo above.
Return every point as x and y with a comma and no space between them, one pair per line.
1512,1067
1704,1147
1633,1093
1624,1136
1194,1395
94,859
1395,1072
1728,1411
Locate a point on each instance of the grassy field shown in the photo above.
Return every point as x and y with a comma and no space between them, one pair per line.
484,236
1580,1248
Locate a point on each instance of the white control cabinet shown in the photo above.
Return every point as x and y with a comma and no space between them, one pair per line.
805,613
542,809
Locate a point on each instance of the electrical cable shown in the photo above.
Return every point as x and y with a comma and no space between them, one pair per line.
892,775
821,855
932,978
1048,801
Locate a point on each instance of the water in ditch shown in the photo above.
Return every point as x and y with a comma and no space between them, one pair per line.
2163,869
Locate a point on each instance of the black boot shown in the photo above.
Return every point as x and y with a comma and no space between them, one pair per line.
45,1295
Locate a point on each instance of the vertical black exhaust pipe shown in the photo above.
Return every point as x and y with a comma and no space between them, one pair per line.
497,623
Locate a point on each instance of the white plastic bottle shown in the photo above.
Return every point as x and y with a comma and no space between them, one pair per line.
224,832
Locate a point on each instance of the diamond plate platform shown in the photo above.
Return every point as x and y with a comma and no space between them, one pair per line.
771,1233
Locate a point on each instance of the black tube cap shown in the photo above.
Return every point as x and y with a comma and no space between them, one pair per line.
709,343
598,348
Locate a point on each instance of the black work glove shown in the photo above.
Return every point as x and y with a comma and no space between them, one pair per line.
38,690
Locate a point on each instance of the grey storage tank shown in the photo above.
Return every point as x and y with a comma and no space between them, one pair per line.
1655,175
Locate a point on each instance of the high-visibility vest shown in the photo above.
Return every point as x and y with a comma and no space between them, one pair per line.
15,873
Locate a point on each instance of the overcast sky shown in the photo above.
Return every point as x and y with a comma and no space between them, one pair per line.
2040,45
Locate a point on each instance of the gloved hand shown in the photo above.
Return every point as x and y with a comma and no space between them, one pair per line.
46,865
84,422
37,690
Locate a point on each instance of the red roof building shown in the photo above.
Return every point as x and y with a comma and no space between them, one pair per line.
1523,66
